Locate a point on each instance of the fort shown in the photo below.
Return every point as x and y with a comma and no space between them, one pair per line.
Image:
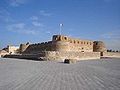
63,47
65,44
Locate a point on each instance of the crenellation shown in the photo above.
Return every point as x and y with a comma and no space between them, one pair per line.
64,43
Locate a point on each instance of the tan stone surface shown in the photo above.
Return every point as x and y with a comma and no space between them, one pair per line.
63,47
55,55
3,53
99,46
62,43
12,49
111,54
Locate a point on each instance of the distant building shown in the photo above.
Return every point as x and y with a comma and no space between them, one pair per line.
12,49
3,53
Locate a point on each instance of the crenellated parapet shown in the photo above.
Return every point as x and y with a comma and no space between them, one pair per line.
38,47
63,47
74,44
62,43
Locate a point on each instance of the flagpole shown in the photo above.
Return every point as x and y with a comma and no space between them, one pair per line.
61,28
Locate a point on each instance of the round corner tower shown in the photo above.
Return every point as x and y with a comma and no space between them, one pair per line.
99,46
60,43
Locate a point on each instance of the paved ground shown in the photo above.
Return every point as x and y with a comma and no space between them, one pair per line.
16,74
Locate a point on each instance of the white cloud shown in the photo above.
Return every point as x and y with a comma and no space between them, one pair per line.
113,44
112,35
37,24
48,32
34,18
5,16
112,40
33,32
16,26
44,13
16,3
107,1
4,12
20,28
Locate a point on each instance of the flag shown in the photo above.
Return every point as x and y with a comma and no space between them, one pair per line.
61,25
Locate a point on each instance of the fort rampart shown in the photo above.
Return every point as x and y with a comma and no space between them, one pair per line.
58,55
111,54
60,43
63,47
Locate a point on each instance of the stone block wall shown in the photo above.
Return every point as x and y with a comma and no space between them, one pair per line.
25,56
59,46
55,55
99,46
111,54
63,47
23,47
36,48
3,53
75,44
58,56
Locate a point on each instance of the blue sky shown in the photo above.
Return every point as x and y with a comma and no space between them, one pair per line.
37,20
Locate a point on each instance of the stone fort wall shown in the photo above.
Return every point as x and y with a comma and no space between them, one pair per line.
74,44
61,43
111,54
56,55
63,47
99,46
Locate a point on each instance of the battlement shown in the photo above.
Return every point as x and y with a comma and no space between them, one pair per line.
71,40
64,43
62,47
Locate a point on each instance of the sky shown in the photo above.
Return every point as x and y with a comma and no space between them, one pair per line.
37,21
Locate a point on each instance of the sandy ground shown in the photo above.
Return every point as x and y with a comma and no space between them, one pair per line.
17,74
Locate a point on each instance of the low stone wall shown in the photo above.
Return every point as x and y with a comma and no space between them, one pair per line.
111,54
3,54
53,55
26,56
57,55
